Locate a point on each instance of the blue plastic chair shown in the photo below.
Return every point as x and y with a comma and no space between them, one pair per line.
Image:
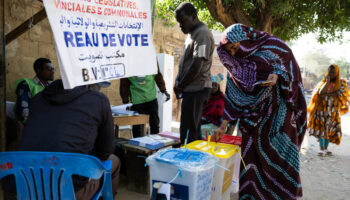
48,175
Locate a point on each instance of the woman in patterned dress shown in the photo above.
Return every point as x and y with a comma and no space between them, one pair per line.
272,115
329,101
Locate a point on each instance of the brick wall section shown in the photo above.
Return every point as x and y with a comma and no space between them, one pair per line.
22,52
39,42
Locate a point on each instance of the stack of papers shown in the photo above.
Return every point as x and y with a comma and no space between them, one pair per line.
174,136
152,142
122,110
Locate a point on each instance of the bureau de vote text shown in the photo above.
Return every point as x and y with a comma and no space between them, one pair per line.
81,39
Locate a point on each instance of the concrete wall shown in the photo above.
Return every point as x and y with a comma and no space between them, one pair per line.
39,42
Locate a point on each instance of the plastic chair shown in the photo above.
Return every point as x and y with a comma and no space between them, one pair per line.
48,175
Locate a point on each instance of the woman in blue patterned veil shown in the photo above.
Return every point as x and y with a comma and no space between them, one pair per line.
272,114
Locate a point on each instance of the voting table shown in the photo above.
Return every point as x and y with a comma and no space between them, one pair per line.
125,120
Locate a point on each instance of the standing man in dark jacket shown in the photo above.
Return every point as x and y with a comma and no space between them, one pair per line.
193,82
143,94
78,121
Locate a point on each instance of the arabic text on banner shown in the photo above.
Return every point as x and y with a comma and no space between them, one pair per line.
101,40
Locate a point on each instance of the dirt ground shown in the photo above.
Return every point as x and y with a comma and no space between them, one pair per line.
323,178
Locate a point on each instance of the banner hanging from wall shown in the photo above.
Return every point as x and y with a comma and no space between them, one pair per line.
102,40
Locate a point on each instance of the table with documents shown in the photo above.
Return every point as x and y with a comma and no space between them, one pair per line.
125,120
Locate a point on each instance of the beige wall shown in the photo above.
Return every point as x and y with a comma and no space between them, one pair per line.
39,42
22,52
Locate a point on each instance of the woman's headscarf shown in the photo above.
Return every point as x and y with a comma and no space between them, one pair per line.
260,54
241,33
244,72
337,82
217,78
340,102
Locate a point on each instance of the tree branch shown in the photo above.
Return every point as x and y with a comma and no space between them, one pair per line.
227,14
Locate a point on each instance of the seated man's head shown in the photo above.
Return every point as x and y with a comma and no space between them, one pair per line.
43,69
186,15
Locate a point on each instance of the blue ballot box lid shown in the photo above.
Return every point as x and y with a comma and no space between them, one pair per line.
186,157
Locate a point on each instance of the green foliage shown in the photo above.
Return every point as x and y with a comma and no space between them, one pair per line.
290,18
165,10
344,67
328,18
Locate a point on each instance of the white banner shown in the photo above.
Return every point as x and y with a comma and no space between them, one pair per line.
101,40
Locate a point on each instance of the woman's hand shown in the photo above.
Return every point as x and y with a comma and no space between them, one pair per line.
219,132
273,78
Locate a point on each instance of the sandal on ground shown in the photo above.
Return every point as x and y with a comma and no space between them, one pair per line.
322,153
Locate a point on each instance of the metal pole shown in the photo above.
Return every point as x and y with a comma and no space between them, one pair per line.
153,12
2,78
2,84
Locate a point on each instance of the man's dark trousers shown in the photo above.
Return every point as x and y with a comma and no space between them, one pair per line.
191,113
151,109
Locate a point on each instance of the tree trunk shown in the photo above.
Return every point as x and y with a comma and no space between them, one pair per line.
227,14
265,21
